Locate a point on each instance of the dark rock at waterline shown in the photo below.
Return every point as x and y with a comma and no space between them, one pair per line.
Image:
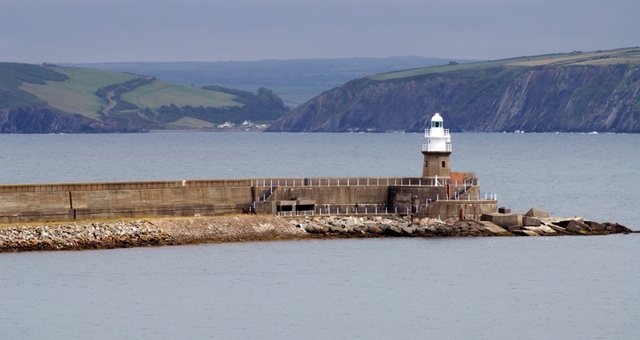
579,227
615,228
392,230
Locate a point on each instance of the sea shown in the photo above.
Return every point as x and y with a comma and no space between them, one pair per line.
392,288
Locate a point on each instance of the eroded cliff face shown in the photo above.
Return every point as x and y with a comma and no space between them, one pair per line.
504,98
43,119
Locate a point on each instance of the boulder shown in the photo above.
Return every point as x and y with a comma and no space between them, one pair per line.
525,232
313,228
617,228
393,230
335,229
577,227
353,221
530,221
374,229
596,227
536,230
558,229
542,230
408,230
348,230
535,212
494,229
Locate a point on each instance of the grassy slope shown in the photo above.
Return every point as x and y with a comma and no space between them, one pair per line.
159,93
76,95
102,96
12,75
190,123
620,56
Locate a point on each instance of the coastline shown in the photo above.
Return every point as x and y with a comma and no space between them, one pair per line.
126,233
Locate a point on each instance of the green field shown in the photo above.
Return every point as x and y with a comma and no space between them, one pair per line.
159,93
123,102
620,56
77,94
190,123
432,70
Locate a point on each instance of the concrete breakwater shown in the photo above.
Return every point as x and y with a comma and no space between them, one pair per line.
239,228
67,202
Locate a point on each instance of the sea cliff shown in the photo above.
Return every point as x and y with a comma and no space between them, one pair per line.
240,228
576,92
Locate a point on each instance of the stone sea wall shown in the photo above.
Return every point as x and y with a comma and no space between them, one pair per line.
239,228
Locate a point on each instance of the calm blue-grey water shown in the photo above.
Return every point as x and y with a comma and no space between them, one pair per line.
485,288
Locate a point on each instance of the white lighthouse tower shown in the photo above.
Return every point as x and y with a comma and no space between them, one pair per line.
436,149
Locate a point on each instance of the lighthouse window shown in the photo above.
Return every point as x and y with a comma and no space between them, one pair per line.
444,164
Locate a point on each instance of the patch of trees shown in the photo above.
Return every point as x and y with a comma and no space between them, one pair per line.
120,88
263,106
14,74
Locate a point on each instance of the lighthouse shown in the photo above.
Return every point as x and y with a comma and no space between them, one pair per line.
436,149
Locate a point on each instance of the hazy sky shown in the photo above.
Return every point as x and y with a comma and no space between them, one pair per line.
199,30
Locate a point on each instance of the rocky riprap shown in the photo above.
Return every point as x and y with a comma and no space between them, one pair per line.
240,228
228,228
579,226
90,235
375,226
147,232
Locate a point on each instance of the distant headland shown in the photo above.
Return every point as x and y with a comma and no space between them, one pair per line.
561,92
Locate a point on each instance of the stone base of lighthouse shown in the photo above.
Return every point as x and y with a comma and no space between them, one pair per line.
436,163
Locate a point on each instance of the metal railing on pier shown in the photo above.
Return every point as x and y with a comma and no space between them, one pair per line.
358,181
347,209
487,196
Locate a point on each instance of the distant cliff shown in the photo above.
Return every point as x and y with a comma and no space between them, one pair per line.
43,119
580,92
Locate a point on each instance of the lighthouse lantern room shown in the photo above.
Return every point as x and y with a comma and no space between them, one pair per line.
436,149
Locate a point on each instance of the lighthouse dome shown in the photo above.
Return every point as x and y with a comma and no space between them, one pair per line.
437,121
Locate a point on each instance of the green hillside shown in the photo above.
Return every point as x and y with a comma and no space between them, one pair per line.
612,57
49,98
77,93
159,93
12,75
